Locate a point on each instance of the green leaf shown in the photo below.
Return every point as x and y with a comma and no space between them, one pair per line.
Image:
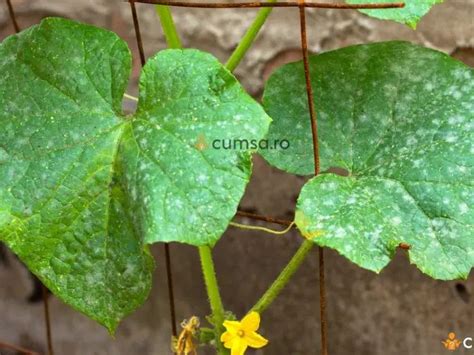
83,188
410,15
61,212
182,188
399,118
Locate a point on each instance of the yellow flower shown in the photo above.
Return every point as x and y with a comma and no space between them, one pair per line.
240,335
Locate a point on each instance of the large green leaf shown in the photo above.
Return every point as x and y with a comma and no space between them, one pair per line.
399,118
182,188
410,15
83,187
61,211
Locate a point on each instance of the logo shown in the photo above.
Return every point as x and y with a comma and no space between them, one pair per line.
452,343
201,143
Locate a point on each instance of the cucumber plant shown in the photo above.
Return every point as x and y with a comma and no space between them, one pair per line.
85,189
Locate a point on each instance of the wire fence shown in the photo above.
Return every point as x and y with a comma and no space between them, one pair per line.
302,5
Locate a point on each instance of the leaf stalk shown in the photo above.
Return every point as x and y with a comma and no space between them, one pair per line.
215,301
282,280
249,37
169,27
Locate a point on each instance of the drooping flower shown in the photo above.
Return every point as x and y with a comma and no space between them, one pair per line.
240,335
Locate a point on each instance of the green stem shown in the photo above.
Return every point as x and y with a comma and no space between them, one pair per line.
284,277
217,308
248,38
262,229
169,28
174,41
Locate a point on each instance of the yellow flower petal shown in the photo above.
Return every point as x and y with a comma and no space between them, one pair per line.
251,322
227,337
239,346
240,335
232,326
255,340
229,344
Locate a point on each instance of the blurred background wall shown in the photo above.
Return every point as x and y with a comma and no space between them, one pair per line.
397,312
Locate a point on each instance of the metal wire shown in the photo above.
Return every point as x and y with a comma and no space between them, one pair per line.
13,16
17,349
259,4
314,132
47,320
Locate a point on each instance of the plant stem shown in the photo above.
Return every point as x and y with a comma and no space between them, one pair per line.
130,97
173,40
215,301
262,229
169,28
248,38
284,277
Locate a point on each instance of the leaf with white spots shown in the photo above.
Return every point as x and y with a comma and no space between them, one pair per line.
61,212
182,188
83,188
399,118
410,15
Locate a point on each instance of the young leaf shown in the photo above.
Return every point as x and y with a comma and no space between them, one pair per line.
400,119
82,187
410,15
181,187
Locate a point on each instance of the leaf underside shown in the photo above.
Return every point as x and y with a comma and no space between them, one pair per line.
410,15
83,188
399,118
